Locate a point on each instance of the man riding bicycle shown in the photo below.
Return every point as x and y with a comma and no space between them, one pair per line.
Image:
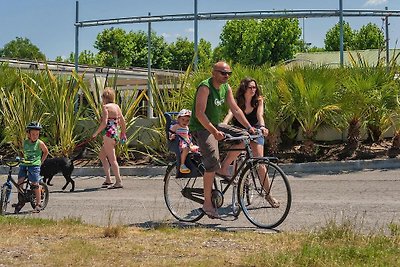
211,96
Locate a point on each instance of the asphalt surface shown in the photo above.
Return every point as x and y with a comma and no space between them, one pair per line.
364,193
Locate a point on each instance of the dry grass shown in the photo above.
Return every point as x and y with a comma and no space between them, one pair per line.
39,242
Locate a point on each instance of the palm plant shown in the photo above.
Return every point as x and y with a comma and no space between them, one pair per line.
8,79
58,97
368,99
395,118
275,117
20,104
310,96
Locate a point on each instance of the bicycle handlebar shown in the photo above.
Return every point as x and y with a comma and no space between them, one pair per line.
12,162
229,137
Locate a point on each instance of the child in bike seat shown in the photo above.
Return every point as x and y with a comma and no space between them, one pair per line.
181,129
35,153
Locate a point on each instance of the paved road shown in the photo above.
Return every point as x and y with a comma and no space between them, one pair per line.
369,199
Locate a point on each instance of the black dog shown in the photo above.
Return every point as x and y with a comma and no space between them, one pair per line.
52,166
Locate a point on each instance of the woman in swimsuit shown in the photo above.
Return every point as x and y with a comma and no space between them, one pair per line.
111,120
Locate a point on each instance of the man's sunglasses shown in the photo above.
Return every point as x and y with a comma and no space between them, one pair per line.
224,73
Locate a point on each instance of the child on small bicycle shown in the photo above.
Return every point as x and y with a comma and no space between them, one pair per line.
181,129
35,152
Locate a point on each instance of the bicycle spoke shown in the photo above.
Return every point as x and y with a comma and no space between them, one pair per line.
260,184
4,199
183,196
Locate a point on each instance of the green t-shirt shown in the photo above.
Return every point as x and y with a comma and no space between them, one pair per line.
32,153
215,105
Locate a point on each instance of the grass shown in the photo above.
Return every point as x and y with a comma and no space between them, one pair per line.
69,242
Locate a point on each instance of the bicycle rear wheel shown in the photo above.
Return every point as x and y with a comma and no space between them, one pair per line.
183,196
4,199
253,189
44,194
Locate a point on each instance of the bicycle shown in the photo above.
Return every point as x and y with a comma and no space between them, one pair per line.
183,193
25,192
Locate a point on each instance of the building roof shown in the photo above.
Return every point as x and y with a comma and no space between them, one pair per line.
332,58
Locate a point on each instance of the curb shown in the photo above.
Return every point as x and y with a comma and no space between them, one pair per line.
328,167
341,166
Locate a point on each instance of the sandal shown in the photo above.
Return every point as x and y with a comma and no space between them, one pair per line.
105,184
115,186
212,214
272,201
37,209
184,169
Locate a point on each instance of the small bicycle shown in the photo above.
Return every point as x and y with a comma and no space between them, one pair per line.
25,192
254,179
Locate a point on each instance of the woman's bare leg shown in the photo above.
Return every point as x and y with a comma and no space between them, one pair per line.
258,151
105,163
109,149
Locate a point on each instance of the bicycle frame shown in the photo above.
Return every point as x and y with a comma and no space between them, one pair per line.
10,180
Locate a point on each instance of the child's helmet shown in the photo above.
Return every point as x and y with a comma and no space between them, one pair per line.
34,125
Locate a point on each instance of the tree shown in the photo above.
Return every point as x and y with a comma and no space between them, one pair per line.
159,50
182,53
205,53
85,57
115,46
22,48
369,37
122,49
332,37
256,42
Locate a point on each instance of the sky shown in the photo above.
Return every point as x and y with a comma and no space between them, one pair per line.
49,24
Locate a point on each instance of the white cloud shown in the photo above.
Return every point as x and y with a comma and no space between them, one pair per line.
166,35
191,30
375,2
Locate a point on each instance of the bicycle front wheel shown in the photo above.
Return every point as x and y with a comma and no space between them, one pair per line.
261,182
183,196
4,199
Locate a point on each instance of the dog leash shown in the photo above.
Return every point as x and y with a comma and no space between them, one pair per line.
84,142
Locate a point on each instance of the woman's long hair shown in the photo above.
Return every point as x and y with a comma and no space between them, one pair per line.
240,100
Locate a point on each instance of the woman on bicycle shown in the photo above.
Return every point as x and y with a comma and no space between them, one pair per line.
251,102
35,153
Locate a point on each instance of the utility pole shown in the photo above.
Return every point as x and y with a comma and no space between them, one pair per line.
149,94
196,41
76,35
387,39
341,31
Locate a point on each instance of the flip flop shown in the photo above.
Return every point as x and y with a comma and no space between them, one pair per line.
272,201
105,185
212,214
115,187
